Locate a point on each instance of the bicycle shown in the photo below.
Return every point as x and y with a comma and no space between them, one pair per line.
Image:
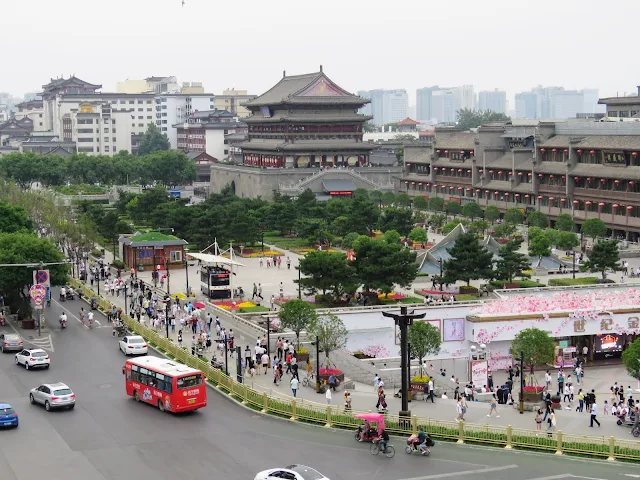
375,449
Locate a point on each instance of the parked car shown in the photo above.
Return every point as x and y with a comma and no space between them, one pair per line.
53,395
8,416
33,358
292,472
11,342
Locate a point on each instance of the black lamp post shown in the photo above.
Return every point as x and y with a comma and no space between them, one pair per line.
167,302
574,264
226,356
403,320
262,242
126,299
318,351
299,278
98,283
186,273
521,360
440,262
269,335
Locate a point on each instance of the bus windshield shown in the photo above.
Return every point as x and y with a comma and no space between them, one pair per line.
189,381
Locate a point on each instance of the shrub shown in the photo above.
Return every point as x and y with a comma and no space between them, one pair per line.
519,283
330,371
565,282
302,351
96,253
118,264
530,389
468,290
419,379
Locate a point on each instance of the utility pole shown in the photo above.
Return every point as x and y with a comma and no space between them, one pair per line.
403,320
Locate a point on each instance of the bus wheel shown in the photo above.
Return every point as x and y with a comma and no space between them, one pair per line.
135,396
161,405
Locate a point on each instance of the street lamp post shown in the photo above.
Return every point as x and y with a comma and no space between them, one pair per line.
98,283
403,320
126,299
226,356
262,242
317,343
186,273
440,262
269,335
521,359
167,301
299,278
574,264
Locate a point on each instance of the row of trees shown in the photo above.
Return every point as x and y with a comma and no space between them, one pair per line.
164,167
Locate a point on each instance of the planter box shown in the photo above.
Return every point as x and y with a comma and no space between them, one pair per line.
418,386
301,358
28,324
362,356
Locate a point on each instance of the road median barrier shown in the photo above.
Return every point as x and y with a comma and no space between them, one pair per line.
305,411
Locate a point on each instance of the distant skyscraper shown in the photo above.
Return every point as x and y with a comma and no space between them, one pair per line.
395,106
444,103
494,100
527,105
374,108
423,103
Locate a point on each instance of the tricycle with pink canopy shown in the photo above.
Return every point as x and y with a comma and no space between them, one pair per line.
372,427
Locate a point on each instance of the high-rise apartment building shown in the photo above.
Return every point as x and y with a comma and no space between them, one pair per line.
527,105
386,106
423,103
493,100
445,102
556,103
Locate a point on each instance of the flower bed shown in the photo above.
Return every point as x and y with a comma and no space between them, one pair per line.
234,305
304,251
375,351
391,296
325,373
250,253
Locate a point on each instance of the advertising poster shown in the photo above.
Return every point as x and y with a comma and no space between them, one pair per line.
453,330
479,372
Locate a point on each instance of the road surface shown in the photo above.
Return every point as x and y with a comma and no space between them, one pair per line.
109,436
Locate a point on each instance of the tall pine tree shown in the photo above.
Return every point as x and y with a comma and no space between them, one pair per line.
469,260
511,263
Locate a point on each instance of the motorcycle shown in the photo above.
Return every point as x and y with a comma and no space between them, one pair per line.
94,303
63,323
62,297
371,433
120,330
411,447
70,294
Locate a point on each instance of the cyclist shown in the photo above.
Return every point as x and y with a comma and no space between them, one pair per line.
421,443
384,441
63,318
90,318
82,315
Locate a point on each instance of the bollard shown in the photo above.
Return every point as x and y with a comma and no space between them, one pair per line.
293,410
265,403
612,449
460,432
414,425
509,437
559,447
328,424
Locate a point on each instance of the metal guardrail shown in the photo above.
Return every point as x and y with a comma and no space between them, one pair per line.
507,437
360,308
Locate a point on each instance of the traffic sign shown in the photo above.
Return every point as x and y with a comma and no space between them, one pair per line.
38,291
41,277
38,301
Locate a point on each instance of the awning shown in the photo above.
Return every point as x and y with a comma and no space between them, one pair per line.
208,258
338,186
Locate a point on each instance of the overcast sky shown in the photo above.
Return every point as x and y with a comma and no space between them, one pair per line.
507,44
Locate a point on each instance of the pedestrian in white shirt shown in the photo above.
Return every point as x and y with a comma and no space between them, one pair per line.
328,396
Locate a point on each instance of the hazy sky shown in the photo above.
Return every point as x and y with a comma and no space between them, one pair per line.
512,45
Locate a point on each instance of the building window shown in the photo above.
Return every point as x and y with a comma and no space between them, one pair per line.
114,139
141,117
106,139
226,131
149,109
131,102
148,101
226,152
133,124
149,117
164,107
106,148
113,122
164,114
624,114
164,100
140,101
613,113
85,140
164,122
40,123
211,99
141,124
164,129
40,116
175,256
226,142
141,109
113,131
106,130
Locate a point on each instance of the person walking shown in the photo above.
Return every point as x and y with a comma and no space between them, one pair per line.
376,383
551,421
580,407
294,386
328,396
493,407
594,414
431,390
459,410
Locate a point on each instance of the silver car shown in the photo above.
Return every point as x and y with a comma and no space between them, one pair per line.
53,395
11,342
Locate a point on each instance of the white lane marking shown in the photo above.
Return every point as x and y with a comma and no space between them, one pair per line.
466,472
567,475
80,321
630,475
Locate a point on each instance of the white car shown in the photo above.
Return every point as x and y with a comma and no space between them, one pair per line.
133,345
292,472
33,358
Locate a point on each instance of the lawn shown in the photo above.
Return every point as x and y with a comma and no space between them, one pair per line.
255,309
404,300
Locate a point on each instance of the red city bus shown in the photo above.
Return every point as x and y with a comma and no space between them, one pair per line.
169,385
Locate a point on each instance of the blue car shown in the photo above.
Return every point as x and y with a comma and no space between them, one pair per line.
8,416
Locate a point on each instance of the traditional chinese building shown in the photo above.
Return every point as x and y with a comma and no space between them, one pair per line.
303,126
152,250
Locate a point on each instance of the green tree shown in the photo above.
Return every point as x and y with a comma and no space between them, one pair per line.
391,236
326,271
152,141
552,236
436,204
23,168
514,216
566,240
340,226
539,246
349,238
504,230
454,208
388,198
331,333
594,228
380,265
420,203
376,196
14,218
479,226
425,341
537,346
399,219
27,248
511,263
143,205
538,219
450,226
604,255
491,213
471,210
631,359
534,232
403,200
418,235
297,315
170,167
565,223
363,215
469,260
467,118
437,220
